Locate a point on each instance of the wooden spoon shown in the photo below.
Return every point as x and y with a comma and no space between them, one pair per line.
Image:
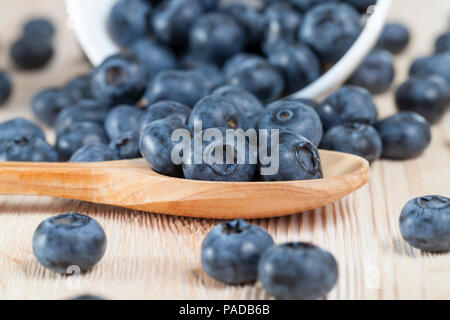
133,184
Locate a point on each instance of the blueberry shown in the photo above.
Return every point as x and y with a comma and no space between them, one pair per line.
27,148
153,56
298,159
247,104
40,28
234,64
211,74
438,64
257,76
293,116
428,96
346,105
30,52
69,239
209,5
6,86
443,43
181,86
85,110
19,127
394,38
425,223
375,73
78,135
232,249
126,145
305,5
405,135
330,29
222,159
362,5
299,65
156,146
48,103
94,152
79,88
172,22
129,21
118,80
162,110
355,138
217,37
297,270
282,22
122,119
216,111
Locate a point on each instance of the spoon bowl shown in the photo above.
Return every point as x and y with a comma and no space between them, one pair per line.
133,184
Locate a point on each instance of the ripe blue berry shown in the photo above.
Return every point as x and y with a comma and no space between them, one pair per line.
438,64
162,110
126,145
19,127
48,103
443,43
39,28
393,38
94,152
31,52
121,119
27,148
5,86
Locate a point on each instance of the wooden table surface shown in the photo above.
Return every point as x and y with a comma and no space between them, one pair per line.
153,256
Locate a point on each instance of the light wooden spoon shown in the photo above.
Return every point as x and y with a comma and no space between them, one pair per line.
133,184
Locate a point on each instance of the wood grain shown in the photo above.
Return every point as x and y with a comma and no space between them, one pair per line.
153,256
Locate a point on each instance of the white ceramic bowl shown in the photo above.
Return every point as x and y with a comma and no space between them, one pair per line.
89,18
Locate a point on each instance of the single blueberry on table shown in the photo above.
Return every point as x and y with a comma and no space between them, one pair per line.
78,135
438,64
247,104
355,138
376,72
156,146
405,135
126,145
69,239
217,37
6,86
330,29
27,148
48,103
181,86
94,152
232,249
19,127
443,43
216,111
129,21
118,80
297,270
30,52
298,159
121,119
162,110
221,159
425,223
293,116
428,96
39,28
346,105
298,64
393,38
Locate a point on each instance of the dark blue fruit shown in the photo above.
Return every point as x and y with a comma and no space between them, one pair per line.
443,43
217,37
126,145
438,64
330,29
362,5
247,104
220,159
27,148
355,138
19,127
78,135
5,86
79,88
94,152
129,21
235,63
298,159
48,103
405,135
293,116
156,146
122,119
393,38
40,28
425,223
210,73
31,52
216,111
428,96
162,110
181,86
69,239
299,65
346,105
118,80
231,251
297,270
375,73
